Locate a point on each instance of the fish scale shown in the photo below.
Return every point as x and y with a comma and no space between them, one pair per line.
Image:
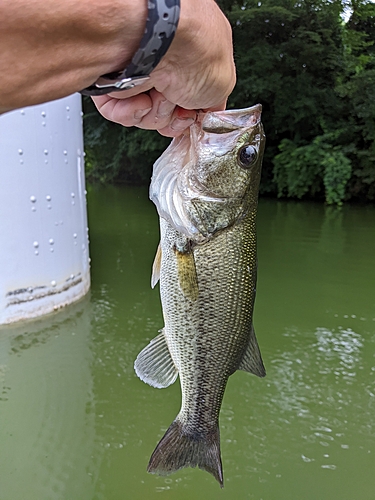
207,266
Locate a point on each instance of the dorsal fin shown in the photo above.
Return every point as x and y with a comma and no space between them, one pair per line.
252,359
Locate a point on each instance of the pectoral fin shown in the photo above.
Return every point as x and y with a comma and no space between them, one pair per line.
154,364
252,360
187,274
156,267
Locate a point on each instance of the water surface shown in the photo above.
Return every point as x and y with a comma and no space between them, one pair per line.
77,424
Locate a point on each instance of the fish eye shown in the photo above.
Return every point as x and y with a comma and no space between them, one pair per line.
247,156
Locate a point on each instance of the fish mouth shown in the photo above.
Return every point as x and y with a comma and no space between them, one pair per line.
222,122
175,185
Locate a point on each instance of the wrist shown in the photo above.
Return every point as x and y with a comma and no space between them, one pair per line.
190,28
118,28
159,31
198,70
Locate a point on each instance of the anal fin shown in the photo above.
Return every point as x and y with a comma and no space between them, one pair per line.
252,359
154,364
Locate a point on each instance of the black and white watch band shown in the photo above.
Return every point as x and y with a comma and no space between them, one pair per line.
161,25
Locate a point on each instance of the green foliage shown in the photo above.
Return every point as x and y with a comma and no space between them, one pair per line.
118,154
337,170
355,86
307,170
287,55
357,128
298,170
315,78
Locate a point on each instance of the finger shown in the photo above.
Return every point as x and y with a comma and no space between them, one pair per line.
138,89
128,112
219,107
166,116
182,119
148,111
161,113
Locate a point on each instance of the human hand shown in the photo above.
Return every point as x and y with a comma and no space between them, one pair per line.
196,73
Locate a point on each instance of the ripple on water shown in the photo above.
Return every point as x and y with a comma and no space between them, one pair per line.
309,400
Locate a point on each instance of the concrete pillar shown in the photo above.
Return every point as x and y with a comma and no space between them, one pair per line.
44,257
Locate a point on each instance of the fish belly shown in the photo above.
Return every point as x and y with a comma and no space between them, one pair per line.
207,336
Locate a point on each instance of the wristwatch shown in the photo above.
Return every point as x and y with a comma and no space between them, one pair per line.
161,25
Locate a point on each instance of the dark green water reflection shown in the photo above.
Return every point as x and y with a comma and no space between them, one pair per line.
77,424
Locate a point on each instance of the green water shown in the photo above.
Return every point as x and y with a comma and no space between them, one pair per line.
77,424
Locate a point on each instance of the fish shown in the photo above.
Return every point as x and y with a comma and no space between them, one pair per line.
205,187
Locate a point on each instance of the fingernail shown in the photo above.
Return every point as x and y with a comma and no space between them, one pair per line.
140,113
180,124
165,108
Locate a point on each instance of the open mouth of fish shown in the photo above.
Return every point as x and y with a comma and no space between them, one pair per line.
176,182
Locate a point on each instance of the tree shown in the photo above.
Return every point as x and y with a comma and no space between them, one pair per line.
313,73
287,56
356,87
118,154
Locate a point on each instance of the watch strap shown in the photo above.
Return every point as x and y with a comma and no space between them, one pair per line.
161,25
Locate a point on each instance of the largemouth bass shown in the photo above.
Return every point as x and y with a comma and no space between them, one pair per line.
205,187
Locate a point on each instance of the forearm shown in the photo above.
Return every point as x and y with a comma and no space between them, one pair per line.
51,49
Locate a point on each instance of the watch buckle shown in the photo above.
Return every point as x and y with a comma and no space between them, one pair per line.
121,83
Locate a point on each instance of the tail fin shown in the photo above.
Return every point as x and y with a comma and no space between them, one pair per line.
178,449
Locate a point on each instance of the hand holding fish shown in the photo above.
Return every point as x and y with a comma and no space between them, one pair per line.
57,49
196,73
